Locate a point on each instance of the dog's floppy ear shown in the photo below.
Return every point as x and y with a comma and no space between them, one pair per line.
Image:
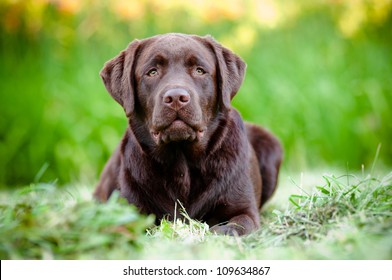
117,75
230,72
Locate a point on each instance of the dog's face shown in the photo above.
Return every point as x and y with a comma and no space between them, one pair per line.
174,84
176,89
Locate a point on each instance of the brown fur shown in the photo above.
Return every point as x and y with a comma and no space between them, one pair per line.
184,141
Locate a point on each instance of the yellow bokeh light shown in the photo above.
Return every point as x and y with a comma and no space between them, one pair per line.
267,13
68,6
350,16
356,14
129,9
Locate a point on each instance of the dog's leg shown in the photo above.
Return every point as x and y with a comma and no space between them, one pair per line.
269,154
109,178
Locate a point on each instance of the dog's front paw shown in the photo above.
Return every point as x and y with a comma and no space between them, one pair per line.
229,229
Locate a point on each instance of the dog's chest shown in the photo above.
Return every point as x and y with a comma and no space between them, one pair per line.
180,183
181,180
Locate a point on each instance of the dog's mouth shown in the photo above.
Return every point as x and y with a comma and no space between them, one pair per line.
177,131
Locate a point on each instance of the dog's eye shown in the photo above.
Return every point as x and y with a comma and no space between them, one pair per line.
200,71
152,72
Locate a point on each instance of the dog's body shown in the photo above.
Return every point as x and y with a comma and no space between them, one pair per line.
184,141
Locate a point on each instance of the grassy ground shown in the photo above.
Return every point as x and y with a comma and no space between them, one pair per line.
311,217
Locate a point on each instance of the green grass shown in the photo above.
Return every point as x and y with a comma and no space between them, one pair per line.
345,217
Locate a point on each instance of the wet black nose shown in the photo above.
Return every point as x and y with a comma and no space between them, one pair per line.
176,98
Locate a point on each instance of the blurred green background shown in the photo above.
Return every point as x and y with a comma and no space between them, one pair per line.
319,76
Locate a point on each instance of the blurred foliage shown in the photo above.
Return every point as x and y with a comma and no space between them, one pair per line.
319,76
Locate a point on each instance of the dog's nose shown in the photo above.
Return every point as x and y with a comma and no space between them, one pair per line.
176,98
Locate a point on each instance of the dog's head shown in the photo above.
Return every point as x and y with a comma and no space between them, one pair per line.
175,85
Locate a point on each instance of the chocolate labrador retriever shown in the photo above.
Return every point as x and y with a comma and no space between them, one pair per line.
184,141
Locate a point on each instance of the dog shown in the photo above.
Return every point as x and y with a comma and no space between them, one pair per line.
184,141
